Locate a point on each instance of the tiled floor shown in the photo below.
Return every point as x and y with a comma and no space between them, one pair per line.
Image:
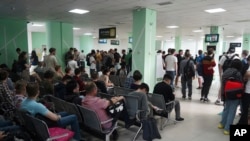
200,124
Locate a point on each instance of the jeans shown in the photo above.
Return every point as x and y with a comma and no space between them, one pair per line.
70,119
184,84
206,85
177,109
7,126
172,73
229,112
245,103
82,64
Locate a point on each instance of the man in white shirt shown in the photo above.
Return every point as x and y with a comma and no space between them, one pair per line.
50,61
171,65
92,62
82,58
230,55
44,54
72,63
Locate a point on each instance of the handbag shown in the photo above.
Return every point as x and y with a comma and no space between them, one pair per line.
56,131
150,129
115,109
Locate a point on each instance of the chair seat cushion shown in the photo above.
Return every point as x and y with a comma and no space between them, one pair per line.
56,131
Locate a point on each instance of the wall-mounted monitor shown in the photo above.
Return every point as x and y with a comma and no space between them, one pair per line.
102,41
130,40
107,33
114,42
212,38
235,45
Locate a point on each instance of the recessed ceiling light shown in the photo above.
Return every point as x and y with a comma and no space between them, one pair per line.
76,28
79,11
216,10
88,34
172,26
94,37
199,30
230,36
36,24
159,36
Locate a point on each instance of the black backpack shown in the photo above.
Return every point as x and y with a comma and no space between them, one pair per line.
188,71
227,62
88,59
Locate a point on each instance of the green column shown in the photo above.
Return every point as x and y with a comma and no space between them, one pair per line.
60,36
246,44
144,54
177,44
86,43
13,35
219,45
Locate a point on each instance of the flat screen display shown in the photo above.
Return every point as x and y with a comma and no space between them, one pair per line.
102,41
107,33
212,38
130,40
114,42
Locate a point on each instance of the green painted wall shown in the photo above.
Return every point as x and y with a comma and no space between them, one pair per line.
144,53
13,35
38,39
177,44
86,43
60,36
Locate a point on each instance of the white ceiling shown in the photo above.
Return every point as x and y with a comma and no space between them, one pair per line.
187,14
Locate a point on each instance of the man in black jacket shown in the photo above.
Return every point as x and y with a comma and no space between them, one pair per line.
166,90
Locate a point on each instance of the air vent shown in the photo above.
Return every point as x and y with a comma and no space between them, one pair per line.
165,3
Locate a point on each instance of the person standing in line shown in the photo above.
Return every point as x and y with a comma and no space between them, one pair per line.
117,58
50,61
245,101
230,55
199,68
44,54
72,63
123,62
82,58
34,61
98,57
128,59
208,64
171,65
186,80
179,59
92,62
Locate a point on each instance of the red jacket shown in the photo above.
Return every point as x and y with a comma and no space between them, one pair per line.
80,83
208,64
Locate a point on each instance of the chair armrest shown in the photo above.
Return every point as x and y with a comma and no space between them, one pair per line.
138,113
107,121
169,103
57,137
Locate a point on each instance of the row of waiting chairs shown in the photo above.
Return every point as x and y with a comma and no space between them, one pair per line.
117,80
89,118
156,100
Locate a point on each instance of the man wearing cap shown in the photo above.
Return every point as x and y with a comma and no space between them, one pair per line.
230,55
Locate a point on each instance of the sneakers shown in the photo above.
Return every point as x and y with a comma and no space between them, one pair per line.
220,126
184,97
179,119
206,100
225,132
189,98
201,99
199,88
217,102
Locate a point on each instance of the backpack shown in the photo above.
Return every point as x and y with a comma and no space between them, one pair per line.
233,89
88,59
188,71
227,62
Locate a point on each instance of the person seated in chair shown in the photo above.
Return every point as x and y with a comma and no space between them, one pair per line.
105,77
100,105
78,79
72,95
20,94
164,88
47,83
100,84
60,87
33,107
137,76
